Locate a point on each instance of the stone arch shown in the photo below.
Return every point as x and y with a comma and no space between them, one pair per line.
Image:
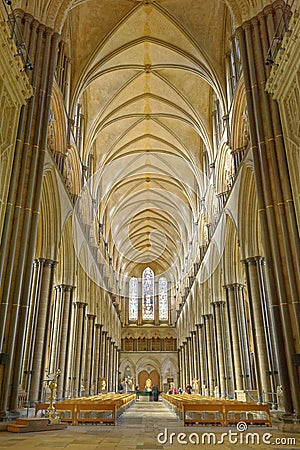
233,271
65,271
248,219
50,218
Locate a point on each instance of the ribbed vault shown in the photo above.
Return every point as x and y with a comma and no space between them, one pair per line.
145,74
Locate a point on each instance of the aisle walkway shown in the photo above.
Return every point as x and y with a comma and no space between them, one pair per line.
138,428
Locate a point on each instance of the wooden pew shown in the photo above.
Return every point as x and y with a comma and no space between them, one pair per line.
103,408
217,411
241,408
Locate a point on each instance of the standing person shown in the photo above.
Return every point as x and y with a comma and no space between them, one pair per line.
155,393
188,389
137,390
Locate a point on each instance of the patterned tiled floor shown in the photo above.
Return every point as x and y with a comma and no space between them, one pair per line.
149,426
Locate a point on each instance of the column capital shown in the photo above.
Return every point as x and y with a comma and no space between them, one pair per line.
268,10
255,21
90,316
219,303
247,25
50,263
81,304
253,260
98,325
234,286
38,261
207,316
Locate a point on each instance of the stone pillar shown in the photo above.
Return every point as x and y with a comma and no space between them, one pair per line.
70,357
202,366
191,358
55,331
188,361
260,329
228,352
80,311
113,363
179,376
280,235
103,367
220,347
234,337
19,233
196,354
208,339
185,365
64,340
89,352
97,356
32,321
244,334
117,367
109,360
40,343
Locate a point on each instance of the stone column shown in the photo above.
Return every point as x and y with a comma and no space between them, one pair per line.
202,366
185,364
117,366
228,352
70,357
32,321
88,378
19,233
191,356
280,235
208,339
80,310
196,354
108,366
64,340
40,344
262,351
103,367
55,331
244,334
189,360
234,337
220,347
97,356
113,374
179,377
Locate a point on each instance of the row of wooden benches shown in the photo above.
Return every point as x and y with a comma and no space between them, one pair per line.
194,409
103,408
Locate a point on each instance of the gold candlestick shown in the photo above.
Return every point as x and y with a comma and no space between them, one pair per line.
51,413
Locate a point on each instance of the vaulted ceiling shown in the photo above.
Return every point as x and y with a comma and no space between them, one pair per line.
144,72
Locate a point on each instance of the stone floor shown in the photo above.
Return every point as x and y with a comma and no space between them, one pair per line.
149,426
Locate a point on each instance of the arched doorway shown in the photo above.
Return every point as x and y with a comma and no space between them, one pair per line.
143,376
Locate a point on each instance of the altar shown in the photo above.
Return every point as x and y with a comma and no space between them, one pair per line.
145,396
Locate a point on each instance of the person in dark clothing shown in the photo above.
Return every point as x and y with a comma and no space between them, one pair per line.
188,389
137,390
155,393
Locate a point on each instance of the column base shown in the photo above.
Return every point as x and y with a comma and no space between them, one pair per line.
8,416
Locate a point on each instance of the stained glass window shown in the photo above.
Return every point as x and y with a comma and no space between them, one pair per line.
133,299
148,294
163,298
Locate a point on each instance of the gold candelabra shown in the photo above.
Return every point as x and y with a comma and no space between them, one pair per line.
51,413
